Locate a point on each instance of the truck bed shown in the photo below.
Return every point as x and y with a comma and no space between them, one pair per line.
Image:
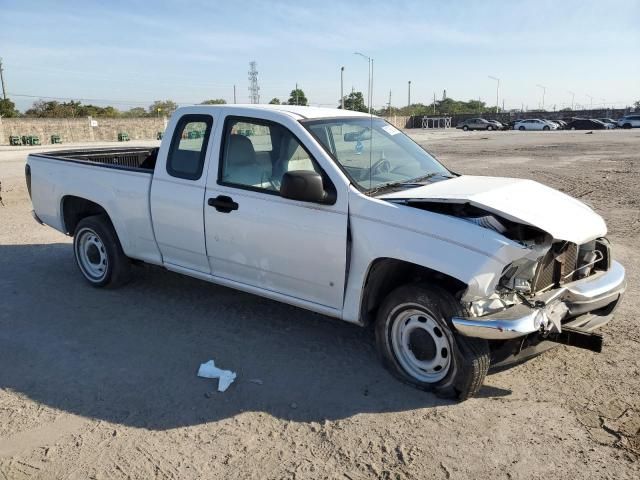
134,158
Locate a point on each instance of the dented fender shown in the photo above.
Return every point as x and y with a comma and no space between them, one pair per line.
463,250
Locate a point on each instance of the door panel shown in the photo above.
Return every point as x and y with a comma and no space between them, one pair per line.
279,245
177,194
258,238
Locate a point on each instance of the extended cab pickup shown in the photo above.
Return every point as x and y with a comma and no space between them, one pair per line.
342,214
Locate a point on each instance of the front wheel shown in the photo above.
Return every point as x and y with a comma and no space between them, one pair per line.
419,346
98,253
546,127
489,128
521,129
465,128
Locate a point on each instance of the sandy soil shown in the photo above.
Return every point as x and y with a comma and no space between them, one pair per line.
101,384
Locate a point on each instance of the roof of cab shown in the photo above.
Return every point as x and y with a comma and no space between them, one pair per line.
296,111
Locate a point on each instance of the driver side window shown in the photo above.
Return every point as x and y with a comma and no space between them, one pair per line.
258,153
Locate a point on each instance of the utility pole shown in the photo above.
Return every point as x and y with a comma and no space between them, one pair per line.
590,98
4,88
342,88
409,95
434,103
234,94
370,94
573,98
296,93
389,104
544,90
497,91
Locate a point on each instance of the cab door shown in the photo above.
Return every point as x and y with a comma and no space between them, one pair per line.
258,238
177,192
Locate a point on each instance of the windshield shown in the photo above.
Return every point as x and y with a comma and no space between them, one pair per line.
374,153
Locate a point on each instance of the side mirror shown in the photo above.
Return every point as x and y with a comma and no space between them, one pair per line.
305,186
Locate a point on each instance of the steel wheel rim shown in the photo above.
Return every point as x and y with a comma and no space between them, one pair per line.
92,255
431,364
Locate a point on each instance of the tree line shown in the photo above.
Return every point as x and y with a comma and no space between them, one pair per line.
164,108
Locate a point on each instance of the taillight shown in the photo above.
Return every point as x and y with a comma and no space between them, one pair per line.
27,176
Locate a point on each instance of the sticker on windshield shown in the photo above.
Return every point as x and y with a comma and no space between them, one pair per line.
391,130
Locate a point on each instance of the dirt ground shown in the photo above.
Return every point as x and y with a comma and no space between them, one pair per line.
102,385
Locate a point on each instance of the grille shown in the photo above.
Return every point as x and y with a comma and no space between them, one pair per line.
556,267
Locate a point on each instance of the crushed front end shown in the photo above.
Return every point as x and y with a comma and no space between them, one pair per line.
562,297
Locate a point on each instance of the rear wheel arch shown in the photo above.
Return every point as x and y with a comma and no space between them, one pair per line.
386,274
75,209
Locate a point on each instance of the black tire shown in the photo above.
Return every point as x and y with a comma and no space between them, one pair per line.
521,128
465,128
573,128
489,128
468,357
626,125
546,127
98,253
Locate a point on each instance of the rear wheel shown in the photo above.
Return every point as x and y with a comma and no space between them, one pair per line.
98,253
419,346
465,128
573,128
626,125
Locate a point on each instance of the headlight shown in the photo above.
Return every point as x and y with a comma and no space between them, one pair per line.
519,275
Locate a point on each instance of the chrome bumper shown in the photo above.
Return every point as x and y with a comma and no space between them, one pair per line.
570,300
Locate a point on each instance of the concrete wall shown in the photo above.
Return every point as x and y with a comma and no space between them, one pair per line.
80,129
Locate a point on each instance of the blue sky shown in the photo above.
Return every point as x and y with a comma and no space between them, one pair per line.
129,53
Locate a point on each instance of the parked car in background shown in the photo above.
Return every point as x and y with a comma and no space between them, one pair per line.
629,121
552,123
609,121
476,124
586,124
534,124
499,125
608,126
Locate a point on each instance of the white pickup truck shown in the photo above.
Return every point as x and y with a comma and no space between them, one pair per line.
342,214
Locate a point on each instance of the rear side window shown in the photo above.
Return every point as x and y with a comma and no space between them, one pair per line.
189,147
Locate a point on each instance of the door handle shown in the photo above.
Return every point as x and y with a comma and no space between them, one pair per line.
223,203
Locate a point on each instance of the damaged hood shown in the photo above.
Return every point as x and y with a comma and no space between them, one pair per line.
523,201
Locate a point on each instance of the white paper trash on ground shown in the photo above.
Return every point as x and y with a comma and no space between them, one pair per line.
225,377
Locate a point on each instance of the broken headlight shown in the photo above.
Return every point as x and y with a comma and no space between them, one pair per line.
518,275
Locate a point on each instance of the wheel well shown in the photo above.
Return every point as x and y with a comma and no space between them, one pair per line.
75,209
386,274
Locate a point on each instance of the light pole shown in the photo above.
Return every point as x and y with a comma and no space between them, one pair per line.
497,91
342,88
409,95
370,93
573,99
590,98
544,90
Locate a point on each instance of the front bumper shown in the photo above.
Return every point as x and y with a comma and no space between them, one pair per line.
572,300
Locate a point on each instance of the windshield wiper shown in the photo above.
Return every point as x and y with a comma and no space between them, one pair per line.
420,180
417,182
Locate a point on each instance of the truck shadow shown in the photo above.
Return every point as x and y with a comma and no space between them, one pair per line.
130,356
